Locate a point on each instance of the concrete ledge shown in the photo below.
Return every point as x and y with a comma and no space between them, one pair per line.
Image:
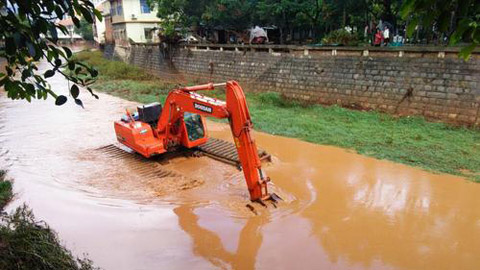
288,48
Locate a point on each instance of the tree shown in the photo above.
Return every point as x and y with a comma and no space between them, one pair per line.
230,14
85,29
280,13
179,14
30,31
458,20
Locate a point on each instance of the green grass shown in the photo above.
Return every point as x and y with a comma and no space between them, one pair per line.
410,140
436,147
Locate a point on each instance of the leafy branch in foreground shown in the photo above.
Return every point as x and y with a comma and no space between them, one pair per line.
30,30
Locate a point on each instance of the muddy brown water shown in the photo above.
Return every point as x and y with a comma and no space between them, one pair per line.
341,210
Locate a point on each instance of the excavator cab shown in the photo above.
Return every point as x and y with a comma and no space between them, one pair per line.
194,126
195,132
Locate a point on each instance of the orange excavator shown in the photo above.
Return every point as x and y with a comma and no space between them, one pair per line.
156,130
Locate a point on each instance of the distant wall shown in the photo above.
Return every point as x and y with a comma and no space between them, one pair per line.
431,82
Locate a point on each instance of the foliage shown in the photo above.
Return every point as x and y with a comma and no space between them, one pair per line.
319,16
111,69
178,14
85,29
340,37
5,190
458,19
437,20
28,244
410,140
30,30
229,14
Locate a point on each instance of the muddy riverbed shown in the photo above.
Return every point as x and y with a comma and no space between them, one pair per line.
341,210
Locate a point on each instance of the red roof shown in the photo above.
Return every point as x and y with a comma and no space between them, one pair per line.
66,22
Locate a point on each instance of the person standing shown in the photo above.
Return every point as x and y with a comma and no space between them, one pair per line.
378,40
386,35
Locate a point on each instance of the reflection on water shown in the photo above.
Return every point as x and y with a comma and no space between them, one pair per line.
207,243
341,210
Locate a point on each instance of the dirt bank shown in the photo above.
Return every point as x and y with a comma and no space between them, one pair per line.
342,210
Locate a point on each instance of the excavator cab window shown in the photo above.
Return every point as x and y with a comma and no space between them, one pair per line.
194,125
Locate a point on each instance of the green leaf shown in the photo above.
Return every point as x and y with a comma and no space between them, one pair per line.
76,21
79,103
94,72
25,74
407,8
86,14
29,88
54,33
74,91
68,52
59,12
49,73
71,65
411,26
10,47
98,14
459,32
19,40
466,52
9,70
60,100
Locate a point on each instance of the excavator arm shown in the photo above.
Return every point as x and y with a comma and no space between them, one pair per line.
235,109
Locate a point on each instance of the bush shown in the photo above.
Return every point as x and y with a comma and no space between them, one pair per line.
5,189
28,244
277,99
340,37
112,69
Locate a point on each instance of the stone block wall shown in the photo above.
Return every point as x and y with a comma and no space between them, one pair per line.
433,83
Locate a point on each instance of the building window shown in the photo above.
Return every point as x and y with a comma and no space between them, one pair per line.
112,10
119,9
148,33
144,7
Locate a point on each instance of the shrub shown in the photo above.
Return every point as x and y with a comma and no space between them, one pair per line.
340,37
28,244
279,100
5,189
112,69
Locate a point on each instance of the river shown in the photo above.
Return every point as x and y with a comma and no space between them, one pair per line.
341,210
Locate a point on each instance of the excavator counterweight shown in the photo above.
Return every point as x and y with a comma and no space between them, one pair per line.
181,122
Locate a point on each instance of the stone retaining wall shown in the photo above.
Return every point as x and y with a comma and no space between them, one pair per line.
434,82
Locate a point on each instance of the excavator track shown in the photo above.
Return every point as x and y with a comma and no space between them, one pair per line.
226,151
143,167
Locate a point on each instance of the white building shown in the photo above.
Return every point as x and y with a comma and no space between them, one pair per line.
132,20
99,27
71,36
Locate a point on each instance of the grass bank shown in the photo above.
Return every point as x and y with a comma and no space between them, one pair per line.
410,140
26,243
